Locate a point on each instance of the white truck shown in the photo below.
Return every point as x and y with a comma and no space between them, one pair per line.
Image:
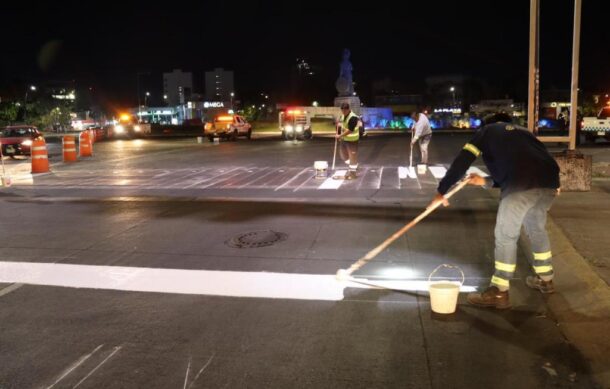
597,127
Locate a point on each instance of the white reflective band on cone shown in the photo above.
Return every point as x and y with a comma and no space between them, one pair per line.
69,150
39,148
39,157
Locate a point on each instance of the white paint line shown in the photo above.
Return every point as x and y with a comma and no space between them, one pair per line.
219,178
403,172
201,371
334,183
380,176
407,171
9,289
258,178
76,364
311,171
116,349
438,171
292,179
198,282
188,370
478,171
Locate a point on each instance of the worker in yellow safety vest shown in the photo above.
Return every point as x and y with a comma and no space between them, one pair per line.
348,133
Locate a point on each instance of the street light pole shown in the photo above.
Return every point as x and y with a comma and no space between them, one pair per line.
575,67
25,101
452,89
534,71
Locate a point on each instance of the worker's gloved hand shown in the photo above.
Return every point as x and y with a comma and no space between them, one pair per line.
439,198
338,136
476,180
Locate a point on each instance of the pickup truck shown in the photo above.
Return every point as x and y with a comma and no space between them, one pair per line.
597,127
228,127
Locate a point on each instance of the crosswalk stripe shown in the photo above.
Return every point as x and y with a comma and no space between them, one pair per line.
331,183
438,171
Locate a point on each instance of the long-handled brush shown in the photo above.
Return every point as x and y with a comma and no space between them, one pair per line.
344,274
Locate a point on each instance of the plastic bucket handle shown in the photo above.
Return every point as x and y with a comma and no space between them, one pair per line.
449,267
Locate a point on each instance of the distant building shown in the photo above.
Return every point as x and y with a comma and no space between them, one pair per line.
177,86
219,85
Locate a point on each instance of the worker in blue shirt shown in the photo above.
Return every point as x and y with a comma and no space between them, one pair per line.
528,177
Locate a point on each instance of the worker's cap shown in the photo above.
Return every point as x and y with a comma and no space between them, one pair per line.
344,106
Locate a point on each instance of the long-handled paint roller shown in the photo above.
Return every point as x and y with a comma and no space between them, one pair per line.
335,152
344,274
411,152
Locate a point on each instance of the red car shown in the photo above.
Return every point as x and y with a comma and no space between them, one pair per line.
17,140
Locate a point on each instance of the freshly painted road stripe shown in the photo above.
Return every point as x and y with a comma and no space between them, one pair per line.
198,282
331,183
477,171
438,171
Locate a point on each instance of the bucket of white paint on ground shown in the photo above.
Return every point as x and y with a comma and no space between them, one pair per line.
6,181
199,139
216,141
321,168
421,169
444,293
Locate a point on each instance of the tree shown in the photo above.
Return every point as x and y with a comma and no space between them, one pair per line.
8,113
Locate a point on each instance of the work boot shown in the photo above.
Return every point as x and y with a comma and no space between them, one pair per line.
538,283
351,175
491,297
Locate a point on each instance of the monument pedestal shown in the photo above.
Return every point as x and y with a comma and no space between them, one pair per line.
353,101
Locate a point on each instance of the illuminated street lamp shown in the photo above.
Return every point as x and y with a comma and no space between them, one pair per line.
232,95
25,100
452,90
146,99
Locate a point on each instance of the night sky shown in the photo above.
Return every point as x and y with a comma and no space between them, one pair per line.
104,45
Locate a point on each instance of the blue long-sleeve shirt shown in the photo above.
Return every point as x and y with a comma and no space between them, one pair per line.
516,160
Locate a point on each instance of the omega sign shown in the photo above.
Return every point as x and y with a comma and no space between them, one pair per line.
213,104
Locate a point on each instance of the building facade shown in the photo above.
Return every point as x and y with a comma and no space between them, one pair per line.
219,85
177,86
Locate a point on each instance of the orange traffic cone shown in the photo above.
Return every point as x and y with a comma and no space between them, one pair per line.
40,157
84,145
69,147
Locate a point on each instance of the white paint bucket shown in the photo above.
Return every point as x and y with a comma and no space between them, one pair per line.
421,169
444,293
199,139
6,181
321,168
216,141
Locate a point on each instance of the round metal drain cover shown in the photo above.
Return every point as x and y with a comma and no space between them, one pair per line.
256,239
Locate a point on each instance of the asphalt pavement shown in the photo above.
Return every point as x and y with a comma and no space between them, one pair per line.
125,271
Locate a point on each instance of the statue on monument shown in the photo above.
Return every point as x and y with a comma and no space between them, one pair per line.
344,84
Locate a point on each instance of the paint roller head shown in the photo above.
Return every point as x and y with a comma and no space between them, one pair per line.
342,275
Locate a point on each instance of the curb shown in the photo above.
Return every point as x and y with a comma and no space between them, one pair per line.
581,303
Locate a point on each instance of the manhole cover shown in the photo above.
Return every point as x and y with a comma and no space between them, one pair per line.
256,239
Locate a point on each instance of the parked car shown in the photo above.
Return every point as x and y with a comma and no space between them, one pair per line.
228,127
17,140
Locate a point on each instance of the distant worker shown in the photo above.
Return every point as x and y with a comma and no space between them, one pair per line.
423,135
348,132
528,177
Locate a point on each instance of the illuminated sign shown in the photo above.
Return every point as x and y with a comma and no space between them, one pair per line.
213,104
